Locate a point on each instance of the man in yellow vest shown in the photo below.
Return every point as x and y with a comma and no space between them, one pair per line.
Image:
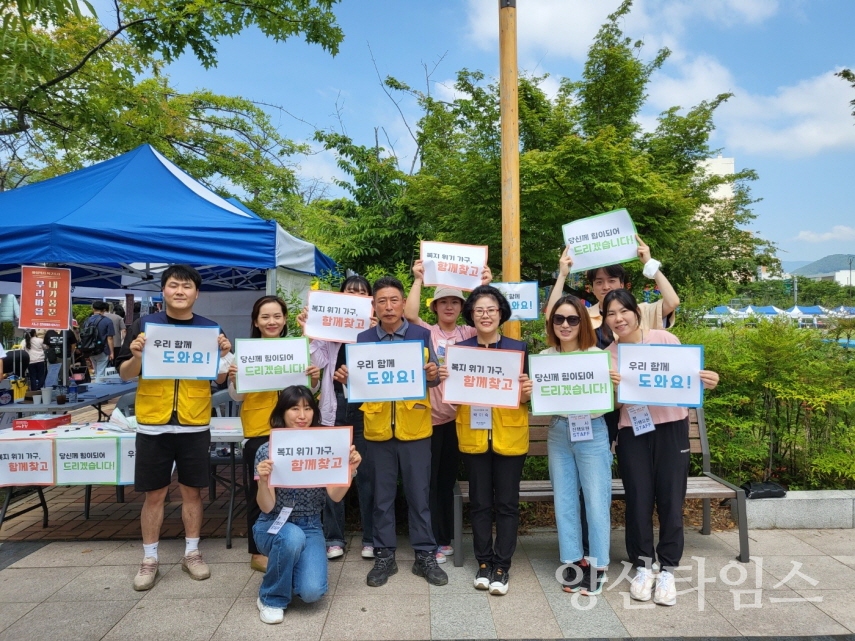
173,418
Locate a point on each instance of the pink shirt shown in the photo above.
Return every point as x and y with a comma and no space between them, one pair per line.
324,354
659,413
441,412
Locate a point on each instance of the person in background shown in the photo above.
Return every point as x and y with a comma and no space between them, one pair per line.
269,319
654,465
107,332
297,562
335,410
118,321
447,304
14,363
34,345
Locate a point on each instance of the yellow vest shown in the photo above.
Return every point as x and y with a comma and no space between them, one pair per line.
509,433
158,398
255,412
412,420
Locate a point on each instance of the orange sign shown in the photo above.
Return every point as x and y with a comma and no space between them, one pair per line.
45,298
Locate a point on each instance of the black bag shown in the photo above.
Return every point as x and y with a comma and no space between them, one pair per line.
91,342
763,490
50,355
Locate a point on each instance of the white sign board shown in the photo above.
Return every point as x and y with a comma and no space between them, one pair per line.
87,461
597,241
574,383
338,317
26,461
181,352
311,457
387,371
486,377
454,265
523,299
661,374
270,364
127,458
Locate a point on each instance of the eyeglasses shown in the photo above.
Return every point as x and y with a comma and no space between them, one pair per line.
559,320
485,311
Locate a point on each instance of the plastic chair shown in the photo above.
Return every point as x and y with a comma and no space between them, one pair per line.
222,405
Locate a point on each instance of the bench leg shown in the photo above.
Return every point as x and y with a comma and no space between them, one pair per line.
87,498
44,507
458,527
706,528
742,523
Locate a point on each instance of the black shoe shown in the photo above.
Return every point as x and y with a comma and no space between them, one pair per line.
425,565
482,578
574,575
384,567
499,582
594,580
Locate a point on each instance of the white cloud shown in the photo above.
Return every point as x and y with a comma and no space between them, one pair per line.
837,233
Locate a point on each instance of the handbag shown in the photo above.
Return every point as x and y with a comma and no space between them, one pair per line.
763,490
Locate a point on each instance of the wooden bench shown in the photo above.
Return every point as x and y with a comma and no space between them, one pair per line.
706,487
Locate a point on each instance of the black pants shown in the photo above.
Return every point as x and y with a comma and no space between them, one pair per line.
37,373
250,449
494,483
413,460
655,468
444,459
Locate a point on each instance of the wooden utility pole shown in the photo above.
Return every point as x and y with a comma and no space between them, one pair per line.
509,104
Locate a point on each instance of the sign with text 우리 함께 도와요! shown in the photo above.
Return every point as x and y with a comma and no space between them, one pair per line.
386,371
573,383
604,239
270,364
453,265
181,352
524,299
661,374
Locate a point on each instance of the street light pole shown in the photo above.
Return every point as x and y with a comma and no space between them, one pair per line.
850,279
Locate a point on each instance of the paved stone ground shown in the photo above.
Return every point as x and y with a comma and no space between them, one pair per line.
82,590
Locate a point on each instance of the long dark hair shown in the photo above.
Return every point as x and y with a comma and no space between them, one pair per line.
290,397
587,336
624,298
254,331
28,335
358,281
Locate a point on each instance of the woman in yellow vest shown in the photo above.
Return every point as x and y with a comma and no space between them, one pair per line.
494,455
269,320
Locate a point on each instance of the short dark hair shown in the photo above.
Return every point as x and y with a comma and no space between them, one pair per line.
360,282
288,398
587,335
623,297
100,306
389,281
254,332
118,310
480,292
181,272
612,271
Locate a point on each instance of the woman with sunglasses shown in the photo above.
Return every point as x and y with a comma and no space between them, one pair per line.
494,458
579,465
654,465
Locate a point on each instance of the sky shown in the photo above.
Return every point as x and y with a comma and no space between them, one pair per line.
789,119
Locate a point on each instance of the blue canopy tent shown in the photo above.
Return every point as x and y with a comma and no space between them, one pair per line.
116,222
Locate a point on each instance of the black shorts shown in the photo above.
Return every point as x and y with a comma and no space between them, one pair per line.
155,455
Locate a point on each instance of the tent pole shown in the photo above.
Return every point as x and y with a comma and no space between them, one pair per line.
271,282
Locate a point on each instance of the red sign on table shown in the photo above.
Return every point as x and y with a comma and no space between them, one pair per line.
45,298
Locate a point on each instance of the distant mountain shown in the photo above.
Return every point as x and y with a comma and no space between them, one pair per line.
826,265
789,266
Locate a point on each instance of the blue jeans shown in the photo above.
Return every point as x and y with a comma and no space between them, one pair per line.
296,560
99,364
585,464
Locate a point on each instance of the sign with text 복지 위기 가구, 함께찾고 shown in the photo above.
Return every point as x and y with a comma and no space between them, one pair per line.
386,371
270,364
26,461
45,298
181,352
572,383
453,265
338,317
604,239
661,374
87,461
310,457
483,377
523,298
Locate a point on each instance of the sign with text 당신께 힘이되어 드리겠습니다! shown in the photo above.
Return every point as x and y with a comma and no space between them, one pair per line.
604,239
571,383
270,364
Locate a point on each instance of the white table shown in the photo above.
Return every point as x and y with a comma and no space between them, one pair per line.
96,395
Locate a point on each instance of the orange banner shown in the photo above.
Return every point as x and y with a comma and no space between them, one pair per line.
45,298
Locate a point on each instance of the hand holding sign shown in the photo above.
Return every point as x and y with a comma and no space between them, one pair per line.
459,266
601,240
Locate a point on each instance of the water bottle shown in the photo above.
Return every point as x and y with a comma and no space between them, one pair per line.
72,391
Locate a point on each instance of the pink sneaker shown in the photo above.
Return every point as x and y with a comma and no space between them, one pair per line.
367,552
334,551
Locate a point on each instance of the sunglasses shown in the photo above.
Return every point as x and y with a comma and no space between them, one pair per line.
558,320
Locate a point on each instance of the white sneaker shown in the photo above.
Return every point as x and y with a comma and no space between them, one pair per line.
367,551
447,550
334,551
641,588
268,614
440,557
666,590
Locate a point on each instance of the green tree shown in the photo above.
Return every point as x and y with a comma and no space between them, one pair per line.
848,76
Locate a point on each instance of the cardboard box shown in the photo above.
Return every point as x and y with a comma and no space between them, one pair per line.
41,421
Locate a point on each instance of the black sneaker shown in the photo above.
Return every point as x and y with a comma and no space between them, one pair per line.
573,576
384,567
499,582
483,576
594,580
425,565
